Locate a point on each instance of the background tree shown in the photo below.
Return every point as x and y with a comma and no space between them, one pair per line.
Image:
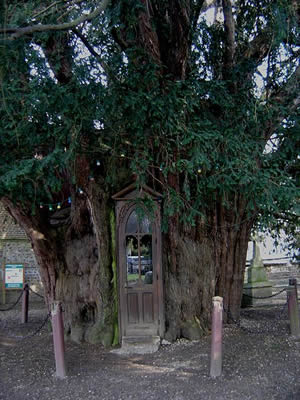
196,98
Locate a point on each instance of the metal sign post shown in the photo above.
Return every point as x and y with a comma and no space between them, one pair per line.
3,286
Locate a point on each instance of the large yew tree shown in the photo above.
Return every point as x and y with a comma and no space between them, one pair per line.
197,99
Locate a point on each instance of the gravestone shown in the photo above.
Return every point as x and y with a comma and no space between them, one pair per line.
257,287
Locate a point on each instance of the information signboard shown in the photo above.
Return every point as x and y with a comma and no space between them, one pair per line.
14,276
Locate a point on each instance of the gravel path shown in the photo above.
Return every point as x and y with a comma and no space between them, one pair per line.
260,361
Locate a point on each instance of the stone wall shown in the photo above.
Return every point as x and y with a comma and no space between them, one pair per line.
15,248
279,274
17,251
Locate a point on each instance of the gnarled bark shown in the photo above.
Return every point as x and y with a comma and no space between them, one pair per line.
75,263
209,260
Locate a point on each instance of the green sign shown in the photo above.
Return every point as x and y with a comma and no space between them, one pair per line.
14,276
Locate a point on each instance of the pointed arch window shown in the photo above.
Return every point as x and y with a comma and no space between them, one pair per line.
138,239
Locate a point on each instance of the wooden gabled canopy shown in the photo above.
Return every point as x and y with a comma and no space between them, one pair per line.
130,192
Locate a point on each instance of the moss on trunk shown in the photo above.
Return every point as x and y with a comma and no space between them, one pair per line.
115,280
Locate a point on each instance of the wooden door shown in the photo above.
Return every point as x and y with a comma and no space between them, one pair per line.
140,275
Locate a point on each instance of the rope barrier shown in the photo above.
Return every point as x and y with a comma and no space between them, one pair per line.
17,301
37,294
21,338
19,298
238,322
30,335
37,330
264,297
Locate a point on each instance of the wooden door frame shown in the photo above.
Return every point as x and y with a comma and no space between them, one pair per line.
123,209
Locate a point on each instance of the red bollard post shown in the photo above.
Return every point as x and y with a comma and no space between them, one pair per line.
293,308
58,339
25,301
216,338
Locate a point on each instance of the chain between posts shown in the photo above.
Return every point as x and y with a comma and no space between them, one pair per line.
238,322
264,297
19,298
30,335
21,338
17,301
37,294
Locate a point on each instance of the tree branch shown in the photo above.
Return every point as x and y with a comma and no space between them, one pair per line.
58,54
18,32
149,39
282,97
174,41
92,50
230,35
196,10
46,9
258,48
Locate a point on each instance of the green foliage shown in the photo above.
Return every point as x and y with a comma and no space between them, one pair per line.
134,114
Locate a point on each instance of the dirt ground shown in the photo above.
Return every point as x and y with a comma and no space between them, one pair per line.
260,361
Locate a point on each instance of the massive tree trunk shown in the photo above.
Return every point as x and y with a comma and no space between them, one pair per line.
189,287
75,255
205,261
76,262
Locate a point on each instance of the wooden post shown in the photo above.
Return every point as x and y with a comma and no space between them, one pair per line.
3,285
216,338
293,308
3,293
25,301
58,339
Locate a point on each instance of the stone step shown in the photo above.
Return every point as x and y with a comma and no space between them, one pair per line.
139,345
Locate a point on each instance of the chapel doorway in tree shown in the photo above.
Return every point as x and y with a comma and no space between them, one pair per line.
139,265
